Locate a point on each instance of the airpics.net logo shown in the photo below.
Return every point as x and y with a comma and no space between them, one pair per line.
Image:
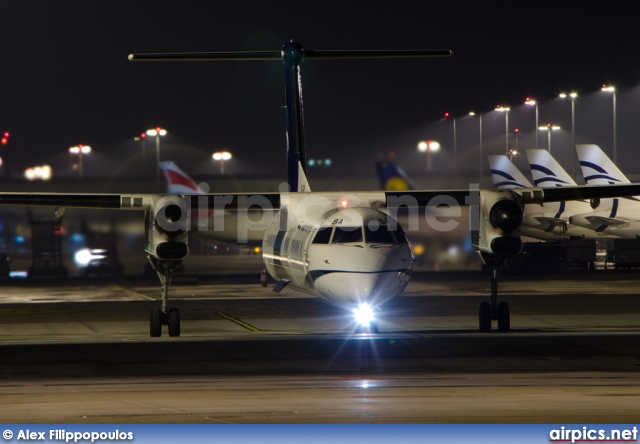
253,213
586,434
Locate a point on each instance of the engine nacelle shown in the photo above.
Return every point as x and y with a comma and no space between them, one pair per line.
501,214
167,227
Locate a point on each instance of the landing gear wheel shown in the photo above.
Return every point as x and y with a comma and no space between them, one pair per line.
174,322
504,320
484,317
155,323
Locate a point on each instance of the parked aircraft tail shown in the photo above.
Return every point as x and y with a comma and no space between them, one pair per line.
505,174
597,168
392,177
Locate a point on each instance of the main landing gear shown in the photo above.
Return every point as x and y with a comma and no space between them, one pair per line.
169,316
494,311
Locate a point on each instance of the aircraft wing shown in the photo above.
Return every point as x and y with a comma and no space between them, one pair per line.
140,202
79,200
409,198
529,195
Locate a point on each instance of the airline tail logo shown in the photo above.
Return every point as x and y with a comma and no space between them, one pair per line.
546,170
509,183
505,174
597,168
392,177
600,173
547,176
177,181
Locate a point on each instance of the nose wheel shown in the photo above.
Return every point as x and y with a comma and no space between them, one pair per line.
494,311
160,316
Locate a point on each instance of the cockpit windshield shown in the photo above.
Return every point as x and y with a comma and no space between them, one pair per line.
344,235
379,236
323,235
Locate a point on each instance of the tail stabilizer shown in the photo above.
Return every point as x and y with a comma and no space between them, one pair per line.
505,174
546,170
597,168
392,177
303,183
178,182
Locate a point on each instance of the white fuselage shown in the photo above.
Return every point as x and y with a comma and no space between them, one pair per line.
347,257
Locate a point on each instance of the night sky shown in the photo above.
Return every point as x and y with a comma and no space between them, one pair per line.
66,80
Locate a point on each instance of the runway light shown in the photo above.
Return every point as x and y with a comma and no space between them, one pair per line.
363,314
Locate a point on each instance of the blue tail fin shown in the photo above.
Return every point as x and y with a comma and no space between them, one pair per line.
392,177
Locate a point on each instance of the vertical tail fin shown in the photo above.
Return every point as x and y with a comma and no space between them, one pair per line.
505,174
298,182
392,177
597,168
177,180
546,170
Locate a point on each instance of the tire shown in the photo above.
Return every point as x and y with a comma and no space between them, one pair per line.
484,317
155,323
174,322
504,318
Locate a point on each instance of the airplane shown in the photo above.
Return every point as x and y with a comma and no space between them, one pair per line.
548,222
339,246
619,216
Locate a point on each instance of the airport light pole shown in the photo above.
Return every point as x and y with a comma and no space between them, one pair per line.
221,156
143,138
428,147
79,151
573,97
548,128
157,132
481,159
455,144
530,101
612,90
505,110
512,153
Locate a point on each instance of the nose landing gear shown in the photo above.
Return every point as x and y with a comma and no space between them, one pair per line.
169,316
494,311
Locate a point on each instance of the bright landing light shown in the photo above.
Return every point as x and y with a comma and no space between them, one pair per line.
363,314
85,256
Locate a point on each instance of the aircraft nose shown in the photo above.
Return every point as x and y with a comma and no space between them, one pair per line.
355,288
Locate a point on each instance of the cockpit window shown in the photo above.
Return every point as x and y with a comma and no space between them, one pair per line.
344,235
322,236
380,236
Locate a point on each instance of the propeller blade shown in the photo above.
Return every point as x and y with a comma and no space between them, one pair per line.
279,55
376,54
230,55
